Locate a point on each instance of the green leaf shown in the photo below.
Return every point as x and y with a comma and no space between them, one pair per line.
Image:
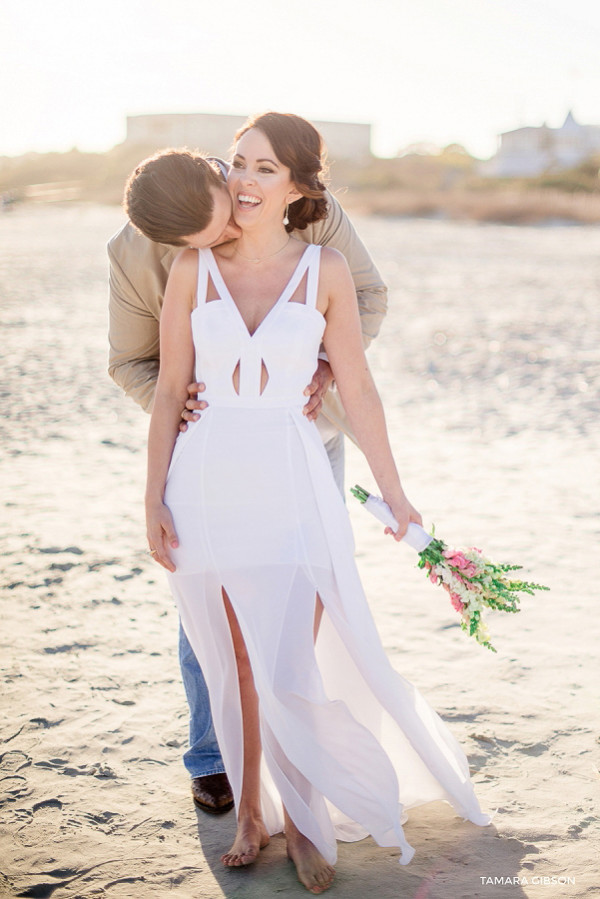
360,493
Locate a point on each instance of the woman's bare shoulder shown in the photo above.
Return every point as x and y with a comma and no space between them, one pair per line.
182,281
331,257
186,260
184,270
333,265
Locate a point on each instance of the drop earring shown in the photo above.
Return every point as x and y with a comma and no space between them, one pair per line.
286,219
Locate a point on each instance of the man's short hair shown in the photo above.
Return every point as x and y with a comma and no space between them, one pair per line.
168,196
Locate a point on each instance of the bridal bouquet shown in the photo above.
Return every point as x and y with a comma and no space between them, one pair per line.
473,581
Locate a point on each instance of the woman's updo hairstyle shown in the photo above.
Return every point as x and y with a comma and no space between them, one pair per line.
299,146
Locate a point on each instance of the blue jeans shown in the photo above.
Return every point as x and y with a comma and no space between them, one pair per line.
203,757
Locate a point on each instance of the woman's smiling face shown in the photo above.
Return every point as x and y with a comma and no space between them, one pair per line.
259,184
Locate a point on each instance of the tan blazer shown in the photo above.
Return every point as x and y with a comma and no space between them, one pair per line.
138,275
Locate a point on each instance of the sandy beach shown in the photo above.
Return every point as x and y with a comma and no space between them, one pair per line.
488,366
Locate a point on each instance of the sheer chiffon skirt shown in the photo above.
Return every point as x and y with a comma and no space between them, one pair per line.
348,744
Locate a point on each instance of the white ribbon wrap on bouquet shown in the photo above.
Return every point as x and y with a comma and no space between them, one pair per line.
415,536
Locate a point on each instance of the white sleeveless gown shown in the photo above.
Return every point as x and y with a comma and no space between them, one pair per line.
348,744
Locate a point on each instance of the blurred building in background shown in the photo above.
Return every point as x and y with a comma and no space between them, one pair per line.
213,134
527,152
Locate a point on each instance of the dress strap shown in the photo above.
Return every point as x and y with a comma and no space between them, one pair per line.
202,288
312,276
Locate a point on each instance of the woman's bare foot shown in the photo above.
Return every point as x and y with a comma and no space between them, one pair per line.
250,838
313,871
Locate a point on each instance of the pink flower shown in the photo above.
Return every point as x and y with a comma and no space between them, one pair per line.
433,577
457,559
457,602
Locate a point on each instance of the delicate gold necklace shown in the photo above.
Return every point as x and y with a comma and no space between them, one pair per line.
260,258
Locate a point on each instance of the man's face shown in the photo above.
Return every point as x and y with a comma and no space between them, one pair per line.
222,226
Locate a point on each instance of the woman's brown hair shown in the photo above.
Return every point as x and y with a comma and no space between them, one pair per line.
299,146
168,196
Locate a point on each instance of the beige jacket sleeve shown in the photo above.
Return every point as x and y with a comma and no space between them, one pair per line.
138,274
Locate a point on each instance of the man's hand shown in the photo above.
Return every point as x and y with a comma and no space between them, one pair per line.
316,390
193,406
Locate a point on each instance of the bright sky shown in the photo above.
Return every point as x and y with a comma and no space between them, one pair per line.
439,71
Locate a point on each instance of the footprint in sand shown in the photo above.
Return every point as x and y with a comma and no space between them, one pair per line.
13,785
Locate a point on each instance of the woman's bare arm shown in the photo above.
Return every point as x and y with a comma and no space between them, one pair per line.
176,372
344,346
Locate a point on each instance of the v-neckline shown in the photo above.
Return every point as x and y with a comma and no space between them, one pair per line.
284,296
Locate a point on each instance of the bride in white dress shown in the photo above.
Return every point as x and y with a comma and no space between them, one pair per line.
320,736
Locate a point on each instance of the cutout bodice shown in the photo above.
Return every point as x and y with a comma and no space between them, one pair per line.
285,345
